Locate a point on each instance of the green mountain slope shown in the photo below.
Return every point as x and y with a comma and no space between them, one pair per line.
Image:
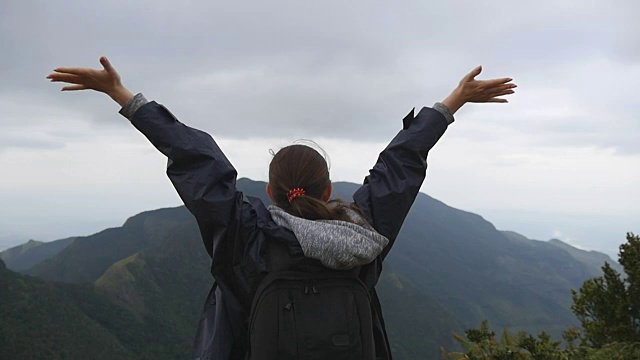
41,320
165,288
417,325
478,273
145,306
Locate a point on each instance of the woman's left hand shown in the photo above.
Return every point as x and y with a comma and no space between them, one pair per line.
106,80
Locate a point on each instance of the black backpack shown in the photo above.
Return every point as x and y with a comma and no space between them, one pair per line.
315,313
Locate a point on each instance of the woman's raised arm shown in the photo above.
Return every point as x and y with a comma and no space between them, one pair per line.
395,180
198,169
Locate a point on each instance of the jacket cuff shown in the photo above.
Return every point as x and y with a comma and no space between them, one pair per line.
133,105
444,110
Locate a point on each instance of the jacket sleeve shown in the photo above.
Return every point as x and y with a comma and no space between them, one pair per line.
395,180
205,181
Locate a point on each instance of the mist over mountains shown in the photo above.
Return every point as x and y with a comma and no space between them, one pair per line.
136,291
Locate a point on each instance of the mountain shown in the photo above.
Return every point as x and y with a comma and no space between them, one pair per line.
463,261
448,271
42,320
417,324
593,259
158,292
25,256
86,258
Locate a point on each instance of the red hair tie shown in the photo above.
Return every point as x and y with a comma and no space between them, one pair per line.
294,193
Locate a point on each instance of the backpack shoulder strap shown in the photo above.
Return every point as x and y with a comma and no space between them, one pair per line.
278,257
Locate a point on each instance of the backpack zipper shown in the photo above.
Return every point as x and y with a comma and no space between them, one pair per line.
314,289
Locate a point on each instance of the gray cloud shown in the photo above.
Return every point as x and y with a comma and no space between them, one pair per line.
35,121
26,142
349,70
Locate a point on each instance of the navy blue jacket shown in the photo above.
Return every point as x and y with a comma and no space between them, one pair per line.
235,228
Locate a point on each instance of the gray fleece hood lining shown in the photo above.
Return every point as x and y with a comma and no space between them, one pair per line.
337,244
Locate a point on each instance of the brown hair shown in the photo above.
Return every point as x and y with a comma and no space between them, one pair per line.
301,166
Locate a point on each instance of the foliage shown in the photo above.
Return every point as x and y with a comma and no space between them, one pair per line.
609,306
482,344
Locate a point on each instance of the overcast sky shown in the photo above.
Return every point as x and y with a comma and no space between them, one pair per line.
560,160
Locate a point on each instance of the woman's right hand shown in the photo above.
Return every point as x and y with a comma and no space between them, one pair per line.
479,91
106,80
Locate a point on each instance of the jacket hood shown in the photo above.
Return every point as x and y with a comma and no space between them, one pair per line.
337,244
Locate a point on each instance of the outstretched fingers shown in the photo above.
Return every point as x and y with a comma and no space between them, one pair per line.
72,70
500,92
104,80
65,77
74,87
495,82
499,89
504,93
503,87
495,96
471,90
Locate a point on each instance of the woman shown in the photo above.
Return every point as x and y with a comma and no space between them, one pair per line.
236,230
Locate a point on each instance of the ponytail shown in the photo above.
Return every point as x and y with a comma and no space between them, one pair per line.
314,209
299,178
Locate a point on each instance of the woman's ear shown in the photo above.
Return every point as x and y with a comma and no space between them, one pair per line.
326,195
269,192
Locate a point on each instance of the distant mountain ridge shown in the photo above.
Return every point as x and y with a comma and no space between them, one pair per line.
449,270
594,258
25,256
94,254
